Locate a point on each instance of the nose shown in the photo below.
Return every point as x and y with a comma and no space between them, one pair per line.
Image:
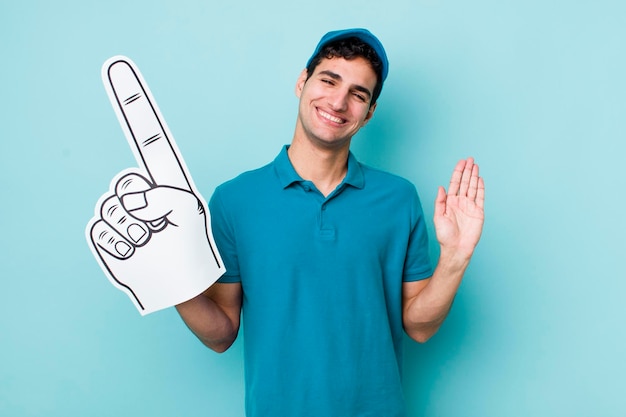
338,100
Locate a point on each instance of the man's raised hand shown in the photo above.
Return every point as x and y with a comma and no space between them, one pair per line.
459,214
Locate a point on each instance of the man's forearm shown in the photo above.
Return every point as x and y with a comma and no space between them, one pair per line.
425,311
209,322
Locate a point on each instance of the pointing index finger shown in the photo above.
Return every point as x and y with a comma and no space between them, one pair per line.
148,135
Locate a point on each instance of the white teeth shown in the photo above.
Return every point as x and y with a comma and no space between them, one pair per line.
331,118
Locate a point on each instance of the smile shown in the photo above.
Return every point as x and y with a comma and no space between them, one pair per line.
330,117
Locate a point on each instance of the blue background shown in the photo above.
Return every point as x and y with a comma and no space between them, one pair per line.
534,90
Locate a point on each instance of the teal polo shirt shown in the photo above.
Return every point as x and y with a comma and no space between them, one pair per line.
322,286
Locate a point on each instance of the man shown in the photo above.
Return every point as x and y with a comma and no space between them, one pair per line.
327,258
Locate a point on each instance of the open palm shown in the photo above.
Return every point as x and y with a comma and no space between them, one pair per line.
459,214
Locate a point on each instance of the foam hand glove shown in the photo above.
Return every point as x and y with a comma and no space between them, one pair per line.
151,232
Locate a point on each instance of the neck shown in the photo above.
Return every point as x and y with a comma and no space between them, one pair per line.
324,167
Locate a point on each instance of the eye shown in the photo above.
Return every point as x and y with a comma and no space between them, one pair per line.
328,81
360,97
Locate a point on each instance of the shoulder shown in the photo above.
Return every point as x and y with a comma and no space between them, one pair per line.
391,191
246,182
377,178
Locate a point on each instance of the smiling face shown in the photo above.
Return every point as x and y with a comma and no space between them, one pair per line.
335,101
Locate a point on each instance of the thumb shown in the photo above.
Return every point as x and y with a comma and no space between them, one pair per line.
440,202
160,202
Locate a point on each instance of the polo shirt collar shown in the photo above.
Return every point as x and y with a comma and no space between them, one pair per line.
287,175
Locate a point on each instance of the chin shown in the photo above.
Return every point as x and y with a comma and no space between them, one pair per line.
333,143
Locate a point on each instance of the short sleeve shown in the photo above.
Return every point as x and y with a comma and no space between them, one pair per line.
223,233
417,264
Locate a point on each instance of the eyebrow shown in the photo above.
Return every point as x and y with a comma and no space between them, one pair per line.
337,77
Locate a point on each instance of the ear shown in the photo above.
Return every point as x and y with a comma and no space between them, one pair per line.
370,113
300,83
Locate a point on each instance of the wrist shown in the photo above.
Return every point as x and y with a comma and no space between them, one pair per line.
454,259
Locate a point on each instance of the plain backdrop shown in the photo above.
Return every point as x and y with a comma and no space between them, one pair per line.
534,90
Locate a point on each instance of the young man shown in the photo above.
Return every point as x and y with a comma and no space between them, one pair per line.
328,258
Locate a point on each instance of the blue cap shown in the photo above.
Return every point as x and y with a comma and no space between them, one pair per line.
364,35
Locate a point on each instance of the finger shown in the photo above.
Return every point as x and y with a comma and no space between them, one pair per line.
132,229
104,237
135,183
131,183
480,193
455,181
473,183
467,175
145,128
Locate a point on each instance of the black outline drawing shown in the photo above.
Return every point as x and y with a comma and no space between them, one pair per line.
117,234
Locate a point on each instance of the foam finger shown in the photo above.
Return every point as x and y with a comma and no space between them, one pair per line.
143,123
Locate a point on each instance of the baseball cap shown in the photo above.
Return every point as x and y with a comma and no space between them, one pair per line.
362,34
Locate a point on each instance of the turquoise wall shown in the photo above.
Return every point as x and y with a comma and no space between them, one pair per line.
534,90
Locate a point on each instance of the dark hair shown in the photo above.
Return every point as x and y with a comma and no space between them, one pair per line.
351,48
